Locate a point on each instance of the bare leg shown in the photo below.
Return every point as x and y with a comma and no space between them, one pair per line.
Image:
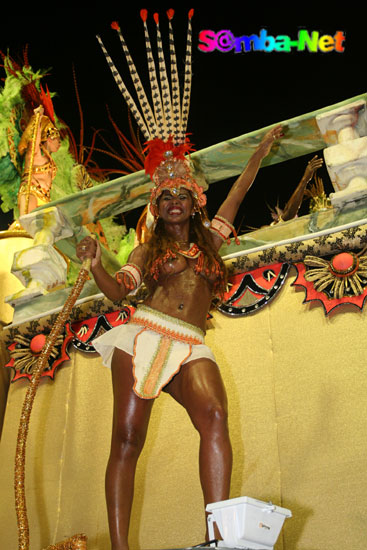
130,424
199,388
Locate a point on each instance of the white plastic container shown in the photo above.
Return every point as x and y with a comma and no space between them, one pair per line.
245,522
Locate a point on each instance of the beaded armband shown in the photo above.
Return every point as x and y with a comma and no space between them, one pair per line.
130,275
222,228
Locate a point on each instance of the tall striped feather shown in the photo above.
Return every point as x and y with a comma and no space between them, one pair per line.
177,130
165,88
143,100
126,94
187,81
154,86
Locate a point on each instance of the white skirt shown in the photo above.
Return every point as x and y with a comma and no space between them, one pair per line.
159,345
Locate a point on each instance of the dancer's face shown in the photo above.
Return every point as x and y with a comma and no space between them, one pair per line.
175,208
53,144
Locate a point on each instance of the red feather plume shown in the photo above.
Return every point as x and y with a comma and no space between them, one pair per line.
47,104
156,149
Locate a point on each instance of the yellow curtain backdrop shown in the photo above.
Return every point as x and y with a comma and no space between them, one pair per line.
296,383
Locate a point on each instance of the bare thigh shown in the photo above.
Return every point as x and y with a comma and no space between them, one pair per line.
131,413
199,388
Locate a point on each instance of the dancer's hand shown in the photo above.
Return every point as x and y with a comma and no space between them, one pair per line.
89,248
269,138
314,164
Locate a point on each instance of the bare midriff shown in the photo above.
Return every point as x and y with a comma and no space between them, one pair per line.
182,293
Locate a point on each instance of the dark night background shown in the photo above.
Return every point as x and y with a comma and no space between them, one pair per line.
232,94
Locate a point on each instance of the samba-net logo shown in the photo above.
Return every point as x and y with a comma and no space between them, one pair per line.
313,42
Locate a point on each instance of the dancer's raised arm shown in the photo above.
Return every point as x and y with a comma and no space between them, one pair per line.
231,204
292,206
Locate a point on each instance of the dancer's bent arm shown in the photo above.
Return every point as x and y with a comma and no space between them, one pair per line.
114,290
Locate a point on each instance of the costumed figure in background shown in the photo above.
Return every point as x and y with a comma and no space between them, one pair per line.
39,140
162,346
291,208
26,147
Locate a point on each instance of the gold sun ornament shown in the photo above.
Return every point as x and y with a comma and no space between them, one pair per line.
26,350
344,274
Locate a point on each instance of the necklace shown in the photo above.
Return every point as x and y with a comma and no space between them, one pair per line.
193,252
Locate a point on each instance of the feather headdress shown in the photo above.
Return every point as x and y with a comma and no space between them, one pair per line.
162,119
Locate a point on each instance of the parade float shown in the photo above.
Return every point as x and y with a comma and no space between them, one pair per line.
288,338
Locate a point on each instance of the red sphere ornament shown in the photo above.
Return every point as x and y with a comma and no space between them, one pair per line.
344,264
37,343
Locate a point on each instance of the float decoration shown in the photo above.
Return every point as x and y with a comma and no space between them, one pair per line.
26,348
25,351
84,332
335,280
253,290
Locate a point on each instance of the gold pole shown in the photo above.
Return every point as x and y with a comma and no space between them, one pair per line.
30,172
19,473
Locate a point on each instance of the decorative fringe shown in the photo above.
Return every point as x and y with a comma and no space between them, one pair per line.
200,267
157,264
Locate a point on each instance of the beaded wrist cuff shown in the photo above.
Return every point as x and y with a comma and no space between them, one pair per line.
134,274
221,227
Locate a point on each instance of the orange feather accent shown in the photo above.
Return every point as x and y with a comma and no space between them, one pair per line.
144,15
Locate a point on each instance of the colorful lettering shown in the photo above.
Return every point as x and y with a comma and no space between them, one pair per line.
305,39
209,41
339,39
225,41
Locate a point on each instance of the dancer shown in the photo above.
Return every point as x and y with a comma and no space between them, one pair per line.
163,344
